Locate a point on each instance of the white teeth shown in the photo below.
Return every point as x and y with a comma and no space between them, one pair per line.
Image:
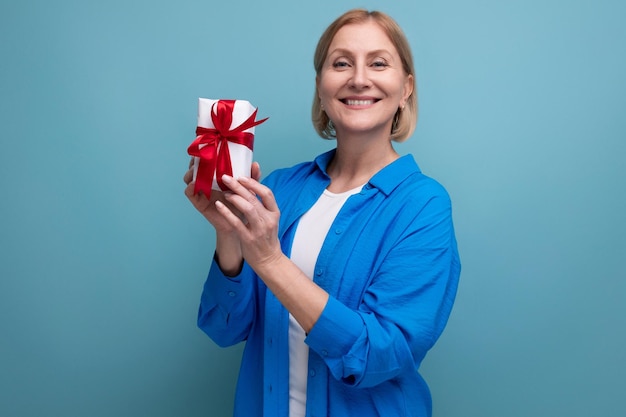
359,102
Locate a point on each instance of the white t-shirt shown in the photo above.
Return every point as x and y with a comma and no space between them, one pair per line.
307,243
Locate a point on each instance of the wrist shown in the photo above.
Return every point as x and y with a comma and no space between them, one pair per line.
228,255
230,268
267,266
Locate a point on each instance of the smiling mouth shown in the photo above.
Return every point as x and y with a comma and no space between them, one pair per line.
350,102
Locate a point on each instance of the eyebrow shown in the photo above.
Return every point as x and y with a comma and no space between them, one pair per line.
349,52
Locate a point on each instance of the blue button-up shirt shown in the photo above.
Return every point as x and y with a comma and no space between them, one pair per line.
391,267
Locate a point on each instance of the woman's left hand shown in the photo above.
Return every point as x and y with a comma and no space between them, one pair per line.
258,230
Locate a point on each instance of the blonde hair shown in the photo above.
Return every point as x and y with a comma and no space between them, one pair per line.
405,119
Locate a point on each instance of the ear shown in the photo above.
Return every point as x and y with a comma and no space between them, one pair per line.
408,89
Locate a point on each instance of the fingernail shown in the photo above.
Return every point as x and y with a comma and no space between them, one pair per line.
227,178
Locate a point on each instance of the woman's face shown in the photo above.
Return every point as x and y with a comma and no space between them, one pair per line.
362,83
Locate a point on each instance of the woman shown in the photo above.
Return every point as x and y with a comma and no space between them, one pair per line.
339,273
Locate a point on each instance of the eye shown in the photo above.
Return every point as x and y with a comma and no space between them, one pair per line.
341,64
380,64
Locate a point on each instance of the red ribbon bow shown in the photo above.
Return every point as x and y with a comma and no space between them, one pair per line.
214,154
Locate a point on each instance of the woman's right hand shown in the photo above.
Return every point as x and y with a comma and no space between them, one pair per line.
206,206
227,245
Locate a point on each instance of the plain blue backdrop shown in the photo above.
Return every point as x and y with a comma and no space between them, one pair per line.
102,259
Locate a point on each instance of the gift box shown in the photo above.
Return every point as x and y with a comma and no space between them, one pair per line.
224,142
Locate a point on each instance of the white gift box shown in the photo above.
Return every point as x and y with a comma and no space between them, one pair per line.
240,155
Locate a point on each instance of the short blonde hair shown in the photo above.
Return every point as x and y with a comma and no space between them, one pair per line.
405,119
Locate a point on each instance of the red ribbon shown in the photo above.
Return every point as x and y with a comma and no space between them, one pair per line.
214,154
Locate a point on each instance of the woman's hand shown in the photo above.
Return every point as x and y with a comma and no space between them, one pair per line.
257,232
227,246
206,206
254,220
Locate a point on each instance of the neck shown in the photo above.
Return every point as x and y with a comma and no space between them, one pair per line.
356,161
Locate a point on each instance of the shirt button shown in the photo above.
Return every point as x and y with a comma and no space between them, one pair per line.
269,341
324,352
312,372
232,293
319,272
338,231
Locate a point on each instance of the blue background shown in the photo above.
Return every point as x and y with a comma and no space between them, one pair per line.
103,259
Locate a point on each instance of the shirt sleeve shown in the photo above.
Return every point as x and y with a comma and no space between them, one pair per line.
403,310
227,305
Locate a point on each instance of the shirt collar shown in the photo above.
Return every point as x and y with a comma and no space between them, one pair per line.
388,178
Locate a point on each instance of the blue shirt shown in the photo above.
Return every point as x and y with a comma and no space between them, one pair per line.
391,267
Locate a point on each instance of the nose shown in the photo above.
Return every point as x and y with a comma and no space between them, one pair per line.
360,77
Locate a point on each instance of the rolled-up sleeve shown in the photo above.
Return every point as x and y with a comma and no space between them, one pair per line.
403,309
227,305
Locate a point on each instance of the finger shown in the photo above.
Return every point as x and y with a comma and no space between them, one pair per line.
188,176
189,192
194,196
255,171
191,162
230,217
260,190
236,187
240,204
242,201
